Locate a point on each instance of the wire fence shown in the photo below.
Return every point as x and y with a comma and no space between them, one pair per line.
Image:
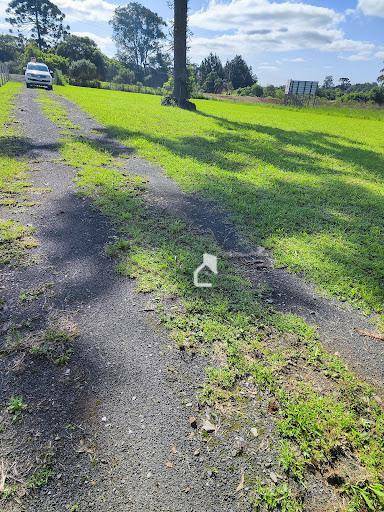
4,73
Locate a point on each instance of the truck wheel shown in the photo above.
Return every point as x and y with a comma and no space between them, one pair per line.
49,88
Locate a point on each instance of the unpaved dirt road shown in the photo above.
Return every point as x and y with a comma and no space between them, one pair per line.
115,419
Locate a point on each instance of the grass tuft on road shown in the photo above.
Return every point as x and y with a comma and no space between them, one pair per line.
326,422
14,237
306,183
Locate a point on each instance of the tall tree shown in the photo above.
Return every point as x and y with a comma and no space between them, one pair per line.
345,83
239,73
138,33
211,64
180,71
41,19
328,82
381,77
10,47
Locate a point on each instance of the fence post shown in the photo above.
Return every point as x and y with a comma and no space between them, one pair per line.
4,73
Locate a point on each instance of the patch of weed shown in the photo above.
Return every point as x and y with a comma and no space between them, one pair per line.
16,406
365,496
14,240
40,478
34,293
55,343
273,499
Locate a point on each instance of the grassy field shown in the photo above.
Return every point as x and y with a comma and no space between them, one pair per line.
308,184
14,237
328,426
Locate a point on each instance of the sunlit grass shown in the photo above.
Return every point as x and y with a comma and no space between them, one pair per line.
14,237
308,184
12,171
315,428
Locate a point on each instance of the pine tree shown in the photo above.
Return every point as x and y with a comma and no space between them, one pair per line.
41,19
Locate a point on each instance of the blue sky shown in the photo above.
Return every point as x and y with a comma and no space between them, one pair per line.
297,39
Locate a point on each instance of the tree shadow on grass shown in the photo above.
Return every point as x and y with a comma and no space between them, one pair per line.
336,146
302,189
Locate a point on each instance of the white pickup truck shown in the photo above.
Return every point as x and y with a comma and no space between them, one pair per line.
38,74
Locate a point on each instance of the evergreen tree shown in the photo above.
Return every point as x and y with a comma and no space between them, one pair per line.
42,19
211,65
239,73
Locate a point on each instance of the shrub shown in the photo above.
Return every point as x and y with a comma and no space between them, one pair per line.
253,90
59,78
94,84
213,83
52,60
124,76
377,95
83,70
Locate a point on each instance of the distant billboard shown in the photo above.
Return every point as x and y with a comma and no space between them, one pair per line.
301,88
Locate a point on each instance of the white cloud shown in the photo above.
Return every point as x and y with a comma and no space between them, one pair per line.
260,14
258,26
86,10
357,57
372,7
78,10
104,43
380,54
267,67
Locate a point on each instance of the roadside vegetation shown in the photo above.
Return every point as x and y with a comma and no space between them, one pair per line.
307,185
14,237
327,425
142,63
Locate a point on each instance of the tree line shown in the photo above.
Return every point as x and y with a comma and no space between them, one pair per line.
38,29
141,41
345,91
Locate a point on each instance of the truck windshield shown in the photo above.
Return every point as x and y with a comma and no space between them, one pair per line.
37,67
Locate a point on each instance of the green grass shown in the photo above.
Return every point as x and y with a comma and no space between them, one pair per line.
250,346
40,478
272,499
16,406
14,237
306,183
12,171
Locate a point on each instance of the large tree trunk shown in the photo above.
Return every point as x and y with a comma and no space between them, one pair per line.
37,24
180,49
180,92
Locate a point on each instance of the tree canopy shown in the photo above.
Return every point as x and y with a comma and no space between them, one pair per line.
211,64
328,82
345,83
239,73
10,47
381,77
77,48
83,70
41,19
138,32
